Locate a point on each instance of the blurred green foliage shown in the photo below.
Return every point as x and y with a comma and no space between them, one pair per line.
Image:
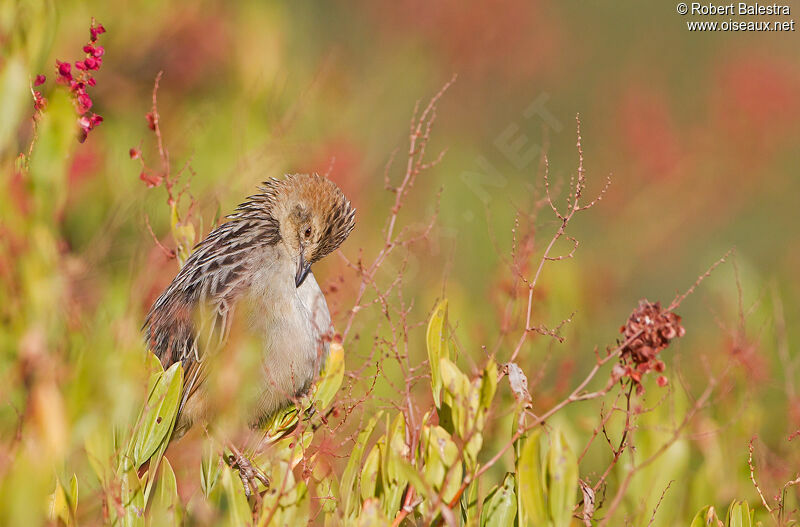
702,142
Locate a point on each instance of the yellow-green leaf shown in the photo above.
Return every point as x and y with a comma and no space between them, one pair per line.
165,506
436,338
500,506
370,473
707,517
159,414
131,500
351,472
562,475
738,515
531,489
331,379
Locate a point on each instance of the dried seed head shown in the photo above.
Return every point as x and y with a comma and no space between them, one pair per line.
649,330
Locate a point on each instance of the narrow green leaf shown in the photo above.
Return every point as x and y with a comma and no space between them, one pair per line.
488,384
231,492
351,472
131,500
738,515
159,414
370,473
395,481
331,379
531,490
458,387
500,506
59,505
706,517
562,472
209,468
469,504
165,507
436,339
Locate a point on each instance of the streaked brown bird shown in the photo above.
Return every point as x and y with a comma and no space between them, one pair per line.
255,269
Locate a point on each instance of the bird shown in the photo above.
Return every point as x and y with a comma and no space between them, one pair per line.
254,270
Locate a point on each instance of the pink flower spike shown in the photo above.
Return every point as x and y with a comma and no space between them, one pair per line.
39,80
96,30
84,103
63,72
39,102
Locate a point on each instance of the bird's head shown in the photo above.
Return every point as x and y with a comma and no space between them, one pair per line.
314,218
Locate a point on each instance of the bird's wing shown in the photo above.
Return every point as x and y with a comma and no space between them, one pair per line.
193,316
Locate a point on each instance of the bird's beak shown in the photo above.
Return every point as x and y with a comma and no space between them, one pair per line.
303,269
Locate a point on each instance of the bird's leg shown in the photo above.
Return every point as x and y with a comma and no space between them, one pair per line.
247,472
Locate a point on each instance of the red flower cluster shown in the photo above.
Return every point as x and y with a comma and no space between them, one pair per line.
80,81
648,331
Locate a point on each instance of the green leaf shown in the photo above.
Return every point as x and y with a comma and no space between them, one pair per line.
531,489
738,514
159,414
488,385
209,468
412,475
331,379
441,465
705,518
458,387
59,505
436,339
73,493
351,472
469,504
230,497
395,480
165,507
562,475
500,506
131,500
370,473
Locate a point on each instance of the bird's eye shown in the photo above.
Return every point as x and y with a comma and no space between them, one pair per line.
307,232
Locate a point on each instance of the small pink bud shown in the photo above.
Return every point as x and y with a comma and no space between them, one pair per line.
91,82
662,381
39,102
39,80
135,153
151,120
80,65
85,102
96,30
151,180
91,63
99,51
